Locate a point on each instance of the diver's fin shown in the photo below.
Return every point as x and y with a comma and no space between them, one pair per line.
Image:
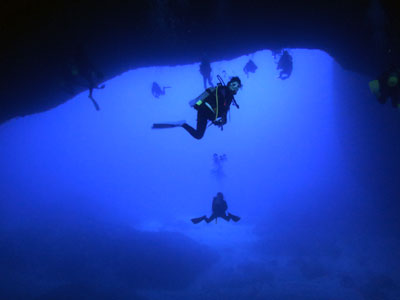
168,125
162,126
198,220
234,218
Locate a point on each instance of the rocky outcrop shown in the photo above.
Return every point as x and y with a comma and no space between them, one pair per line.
39,38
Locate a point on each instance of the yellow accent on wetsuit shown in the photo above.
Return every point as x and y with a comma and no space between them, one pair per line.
392,81
374,87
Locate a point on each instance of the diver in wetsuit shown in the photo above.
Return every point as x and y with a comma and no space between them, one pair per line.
205,71
285,64
212,105
387,86
250,67
81,72
219,208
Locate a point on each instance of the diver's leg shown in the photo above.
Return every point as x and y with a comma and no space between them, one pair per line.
94,101
212,217
225,217
210,81
201,125
233,217
198,220
205,82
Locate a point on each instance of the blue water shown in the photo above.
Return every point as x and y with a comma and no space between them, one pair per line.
97,205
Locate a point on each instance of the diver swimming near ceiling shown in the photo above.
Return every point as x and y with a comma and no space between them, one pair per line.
157,91
250,67
205,71
81,72
285,64
387,86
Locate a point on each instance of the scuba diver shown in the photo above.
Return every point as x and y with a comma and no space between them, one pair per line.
250,67
93,86
79,67
212,105
276,52
157,91
387,86
218,161
285,64
205,71
219,208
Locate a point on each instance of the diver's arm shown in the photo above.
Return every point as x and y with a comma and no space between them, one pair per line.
220,122
225,206
224,114
223,119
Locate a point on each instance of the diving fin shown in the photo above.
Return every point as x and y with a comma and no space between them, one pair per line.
168,125
162,126
198,220
234,218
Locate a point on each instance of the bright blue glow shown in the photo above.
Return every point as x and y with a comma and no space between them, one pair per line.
280,139
284,159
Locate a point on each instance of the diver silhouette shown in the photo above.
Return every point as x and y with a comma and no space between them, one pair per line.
212,105
205,71
276,52
219,208
387,86
250,67
91,87
81,72
218,161
157,91
285,64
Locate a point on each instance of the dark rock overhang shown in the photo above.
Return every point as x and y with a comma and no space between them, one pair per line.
39,37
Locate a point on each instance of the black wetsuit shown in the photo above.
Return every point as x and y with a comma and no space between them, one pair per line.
285,64
250,67
204,112
205,70
219,208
